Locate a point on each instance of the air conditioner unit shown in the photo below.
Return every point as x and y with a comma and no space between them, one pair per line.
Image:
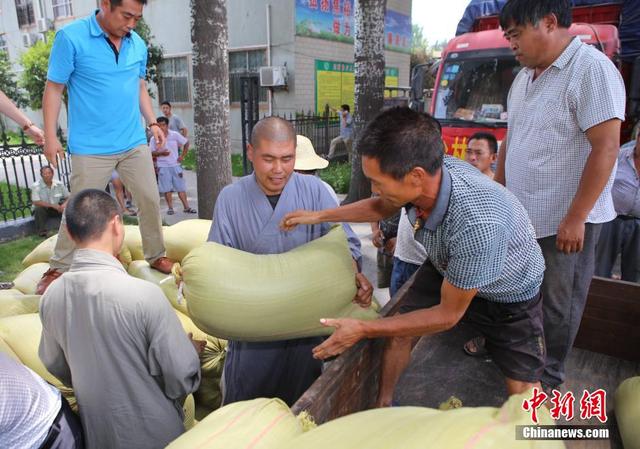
43,27
273,76
26,40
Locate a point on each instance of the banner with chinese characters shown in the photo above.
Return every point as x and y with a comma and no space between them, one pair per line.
335,83
333,20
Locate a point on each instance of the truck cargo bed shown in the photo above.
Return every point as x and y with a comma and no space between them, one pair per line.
439,367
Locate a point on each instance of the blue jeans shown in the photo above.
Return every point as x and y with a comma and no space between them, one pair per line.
400,274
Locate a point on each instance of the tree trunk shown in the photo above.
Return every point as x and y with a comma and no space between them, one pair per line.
369,82
210,39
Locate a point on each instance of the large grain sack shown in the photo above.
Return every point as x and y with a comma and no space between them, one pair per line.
189,410
27,281
44,251
133,242
41,253
184,236
6,349
22,334
627,406
18,304
257,424
141,270
417,428
237,295
11,292
208,396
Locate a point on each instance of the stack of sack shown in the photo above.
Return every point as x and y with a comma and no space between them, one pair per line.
269,424
227,294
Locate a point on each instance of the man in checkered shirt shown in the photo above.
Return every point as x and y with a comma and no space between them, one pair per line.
483,264
565,110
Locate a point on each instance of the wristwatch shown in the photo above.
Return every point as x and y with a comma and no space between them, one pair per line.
153,124
27,126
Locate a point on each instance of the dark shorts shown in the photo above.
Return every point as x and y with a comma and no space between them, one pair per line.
513,331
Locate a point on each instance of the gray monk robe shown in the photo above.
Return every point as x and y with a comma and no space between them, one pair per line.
246,219
116,340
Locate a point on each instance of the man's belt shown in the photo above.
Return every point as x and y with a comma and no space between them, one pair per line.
628,217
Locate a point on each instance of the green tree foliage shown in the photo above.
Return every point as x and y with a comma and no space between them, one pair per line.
35,62
419,46
155,52
8,82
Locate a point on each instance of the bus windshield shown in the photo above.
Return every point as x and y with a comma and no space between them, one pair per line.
475,89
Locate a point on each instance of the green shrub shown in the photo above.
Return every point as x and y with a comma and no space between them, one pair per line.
338,176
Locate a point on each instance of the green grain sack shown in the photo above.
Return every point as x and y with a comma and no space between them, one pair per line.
627,406
185,235
419,428
189,410
257,424
141,270
6,349
237,295
18,304
133,242
27,281
41,253
11,292
208,397
44,251
22,334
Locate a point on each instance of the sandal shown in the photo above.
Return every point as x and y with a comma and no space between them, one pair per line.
170,212
190,210
130,213
476,347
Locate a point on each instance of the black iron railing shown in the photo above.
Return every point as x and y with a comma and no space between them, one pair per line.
21,162
320,129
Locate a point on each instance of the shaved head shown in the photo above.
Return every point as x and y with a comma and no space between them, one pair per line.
272,129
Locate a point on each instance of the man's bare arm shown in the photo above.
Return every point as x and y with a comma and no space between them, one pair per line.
364,211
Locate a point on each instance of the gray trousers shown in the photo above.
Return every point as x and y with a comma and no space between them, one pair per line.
619,237
66,431
135,168
564,291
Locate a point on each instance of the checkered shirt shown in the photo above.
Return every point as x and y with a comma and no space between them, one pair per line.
478,236
28,406
547,147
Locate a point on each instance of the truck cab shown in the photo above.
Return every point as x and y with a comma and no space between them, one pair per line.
475,75
477,68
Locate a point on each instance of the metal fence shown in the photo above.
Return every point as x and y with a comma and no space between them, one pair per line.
320,129
21,164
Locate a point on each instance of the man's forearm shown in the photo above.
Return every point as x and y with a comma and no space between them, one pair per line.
51,101
145,104
44,204
499,175
594,178
364,211
413,324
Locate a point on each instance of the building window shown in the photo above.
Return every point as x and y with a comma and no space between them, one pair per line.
245,63
62,8
174,80
26,15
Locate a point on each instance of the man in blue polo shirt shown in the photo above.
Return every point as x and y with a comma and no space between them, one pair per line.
483,263
102,63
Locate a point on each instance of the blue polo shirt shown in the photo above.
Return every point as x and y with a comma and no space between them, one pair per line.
478,236
104,88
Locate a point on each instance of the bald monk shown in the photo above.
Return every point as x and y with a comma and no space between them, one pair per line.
115,339
246,217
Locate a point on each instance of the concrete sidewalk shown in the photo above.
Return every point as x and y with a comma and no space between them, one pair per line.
363,230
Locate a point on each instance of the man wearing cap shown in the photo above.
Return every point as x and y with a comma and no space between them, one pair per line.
246,217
